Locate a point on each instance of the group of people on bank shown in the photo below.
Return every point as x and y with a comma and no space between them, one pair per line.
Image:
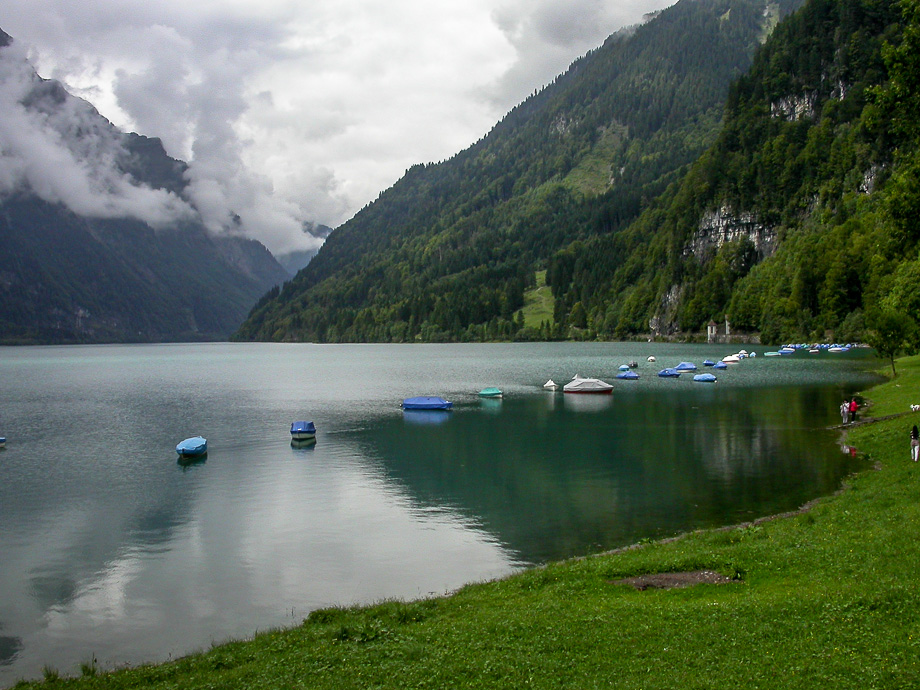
848,410
848,414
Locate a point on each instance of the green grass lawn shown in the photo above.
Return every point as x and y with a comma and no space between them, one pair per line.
538,303
825,598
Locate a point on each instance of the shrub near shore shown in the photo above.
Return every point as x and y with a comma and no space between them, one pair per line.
827,597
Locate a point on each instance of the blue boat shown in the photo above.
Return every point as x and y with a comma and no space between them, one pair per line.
704,378
2,441
628,375
194,447
708,363
426,402
669,373
720,365
624,367
302,431
686,366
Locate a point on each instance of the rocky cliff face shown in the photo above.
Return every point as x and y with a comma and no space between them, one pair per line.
727,225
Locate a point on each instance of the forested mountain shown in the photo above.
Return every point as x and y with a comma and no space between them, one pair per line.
801,220
99,273
448,252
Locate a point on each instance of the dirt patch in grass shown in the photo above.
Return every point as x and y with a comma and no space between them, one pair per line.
674,580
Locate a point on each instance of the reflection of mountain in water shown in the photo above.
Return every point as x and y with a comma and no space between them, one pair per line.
551,481
9,648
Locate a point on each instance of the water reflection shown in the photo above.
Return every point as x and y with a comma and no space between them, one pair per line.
426,417
491,405
554,483
587,403
9,647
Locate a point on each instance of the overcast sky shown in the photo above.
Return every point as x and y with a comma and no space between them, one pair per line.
293,111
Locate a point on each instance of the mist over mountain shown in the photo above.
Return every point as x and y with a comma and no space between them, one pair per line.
99,242
296,260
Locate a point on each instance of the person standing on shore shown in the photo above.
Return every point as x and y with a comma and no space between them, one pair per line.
914,443
853,407
845,412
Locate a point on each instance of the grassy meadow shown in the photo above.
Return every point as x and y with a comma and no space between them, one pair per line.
827,597
538,303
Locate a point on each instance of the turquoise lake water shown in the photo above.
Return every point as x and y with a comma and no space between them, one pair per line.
113,550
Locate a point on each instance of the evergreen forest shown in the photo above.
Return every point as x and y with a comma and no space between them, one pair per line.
728,159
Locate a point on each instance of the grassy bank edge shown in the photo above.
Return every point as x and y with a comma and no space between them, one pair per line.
819,597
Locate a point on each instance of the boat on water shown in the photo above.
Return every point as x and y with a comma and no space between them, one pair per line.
731,358
628,375
786,350
838,348
587,385
704,378
633,364
651,358
720,365
551,385
426,402
2,441
302,431
686,366
490,392
624,367
708,363
669,373
191,448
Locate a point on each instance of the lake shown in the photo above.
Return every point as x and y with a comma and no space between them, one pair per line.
113,550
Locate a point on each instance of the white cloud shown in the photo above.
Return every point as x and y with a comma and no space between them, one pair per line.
62,151
289,112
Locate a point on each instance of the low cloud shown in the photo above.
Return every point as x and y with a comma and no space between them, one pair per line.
65,153
290,114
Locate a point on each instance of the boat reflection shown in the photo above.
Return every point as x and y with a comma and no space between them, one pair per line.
587,403
187,461
303,444
426,416
491,405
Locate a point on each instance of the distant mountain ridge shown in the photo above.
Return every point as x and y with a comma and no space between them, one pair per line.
87,270
448,252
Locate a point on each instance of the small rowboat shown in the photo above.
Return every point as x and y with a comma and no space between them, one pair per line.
590,386
302,431
426,402
194,447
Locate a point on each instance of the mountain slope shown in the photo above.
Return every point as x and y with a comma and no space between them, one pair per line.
97,243
449,250
784,225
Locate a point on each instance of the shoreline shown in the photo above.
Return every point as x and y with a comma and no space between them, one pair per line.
339,637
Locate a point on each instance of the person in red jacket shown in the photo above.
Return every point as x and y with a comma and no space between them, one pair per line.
853,407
